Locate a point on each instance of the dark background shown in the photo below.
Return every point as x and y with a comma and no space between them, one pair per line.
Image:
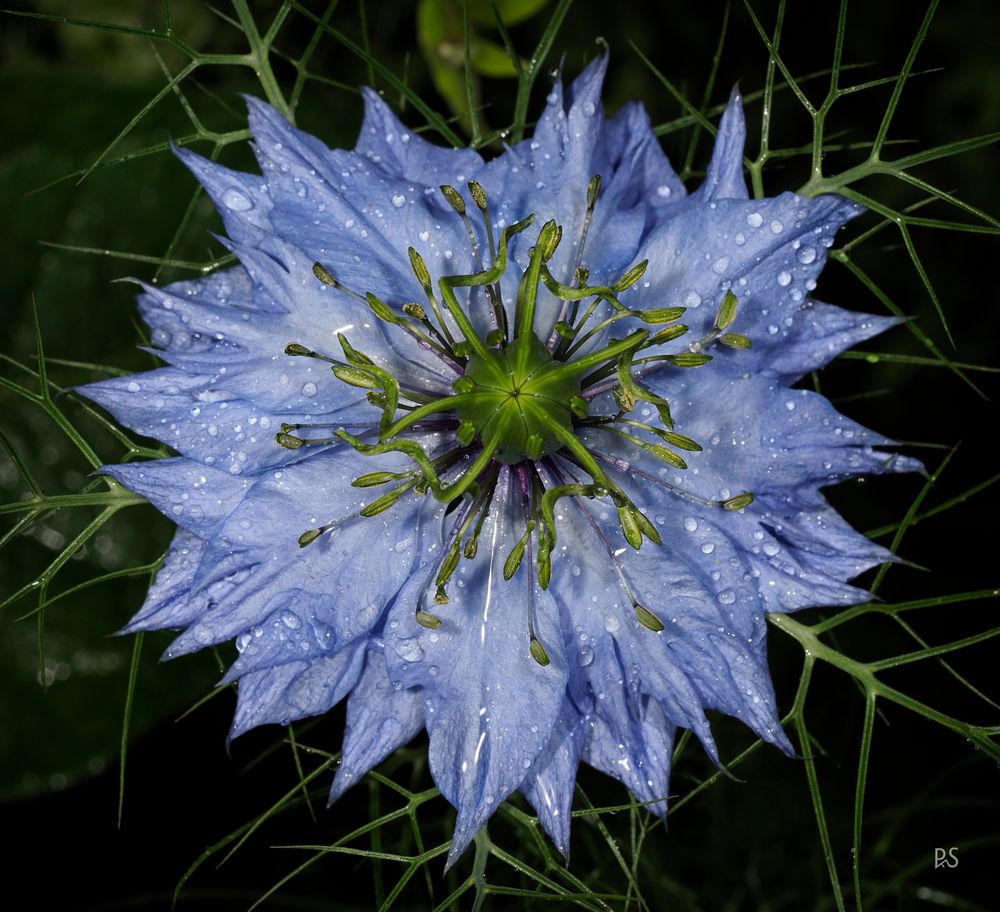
65,93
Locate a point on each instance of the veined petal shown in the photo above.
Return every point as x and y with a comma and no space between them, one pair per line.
489,706
380,719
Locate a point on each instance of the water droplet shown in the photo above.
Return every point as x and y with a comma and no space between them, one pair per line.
784,278
727,597
585,656
612,624
691,524
707,548
755,220
720,265
588,109
309,389
807,255
663,191
399,200
290,619
790,405
408,650
777,226
236,200
770,548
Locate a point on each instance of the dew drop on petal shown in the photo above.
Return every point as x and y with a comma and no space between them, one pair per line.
399,200
727,597
408,650
663,191
236,200
309,389
755,220
784,278
585,656
807,255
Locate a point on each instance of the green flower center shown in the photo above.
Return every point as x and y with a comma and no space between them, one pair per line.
523,390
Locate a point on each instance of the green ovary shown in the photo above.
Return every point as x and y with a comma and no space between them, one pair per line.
528,401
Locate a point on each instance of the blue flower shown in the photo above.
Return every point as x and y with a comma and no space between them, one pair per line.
451,454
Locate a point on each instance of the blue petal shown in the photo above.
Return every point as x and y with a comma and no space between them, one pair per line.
550,783
769,252
632,740
387,143
241,199
295,690
206,419
380,719
196,497
322,583
724,178
489,707
700,583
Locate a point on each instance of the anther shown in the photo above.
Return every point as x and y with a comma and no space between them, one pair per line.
735,340
631,276
328,278
688,359
594,190
657,315
373,479
538,652
426,619
382,310
727,311
454,198
668,334
646,617
420,269
297,350
288,441
478,195
739,501
308,537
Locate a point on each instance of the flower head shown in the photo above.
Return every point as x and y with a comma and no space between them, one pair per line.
505,450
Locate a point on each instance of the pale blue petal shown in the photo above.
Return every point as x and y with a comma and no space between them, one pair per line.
768,252
196,497
489,707
380,719
295,690
324,583
724,178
